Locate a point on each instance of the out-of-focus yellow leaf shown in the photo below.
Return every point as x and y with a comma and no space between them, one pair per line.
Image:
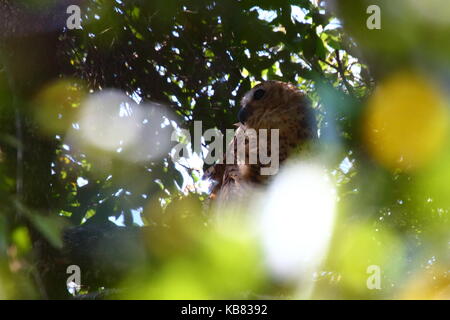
433,283
55,106
406,121
360,246
21,238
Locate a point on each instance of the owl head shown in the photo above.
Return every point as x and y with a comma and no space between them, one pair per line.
270,100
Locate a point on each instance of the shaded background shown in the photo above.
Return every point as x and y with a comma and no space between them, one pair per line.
87,177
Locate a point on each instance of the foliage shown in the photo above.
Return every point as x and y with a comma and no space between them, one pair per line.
382,114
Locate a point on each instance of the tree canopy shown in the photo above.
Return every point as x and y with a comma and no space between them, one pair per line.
86,122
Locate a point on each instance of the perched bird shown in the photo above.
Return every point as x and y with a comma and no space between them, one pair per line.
268,105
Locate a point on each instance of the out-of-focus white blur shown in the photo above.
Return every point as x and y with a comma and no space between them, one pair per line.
111,121
295,221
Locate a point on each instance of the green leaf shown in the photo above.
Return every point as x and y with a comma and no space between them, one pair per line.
49,226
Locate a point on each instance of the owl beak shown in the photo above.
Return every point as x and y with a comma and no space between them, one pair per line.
243,114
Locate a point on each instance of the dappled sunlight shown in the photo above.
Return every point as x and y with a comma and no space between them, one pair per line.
406,121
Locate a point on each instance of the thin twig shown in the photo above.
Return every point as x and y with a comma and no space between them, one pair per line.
342,73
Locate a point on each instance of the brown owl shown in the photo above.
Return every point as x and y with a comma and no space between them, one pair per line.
268,105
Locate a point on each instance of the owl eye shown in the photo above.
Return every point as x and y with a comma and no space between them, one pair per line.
258,94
